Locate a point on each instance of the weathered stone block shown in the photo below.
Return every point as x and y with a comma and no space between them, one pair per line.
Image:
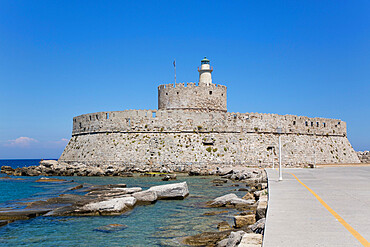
243,220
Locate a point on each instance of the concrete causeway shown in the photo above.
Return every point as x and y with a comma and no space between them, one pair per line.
295,216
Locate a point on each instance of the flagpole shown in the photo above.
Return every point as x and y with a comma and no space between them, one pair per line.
174,64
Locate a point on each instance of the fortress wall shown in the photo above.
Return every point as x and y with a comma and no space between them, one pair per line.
194,121
206,148
182,136
191,96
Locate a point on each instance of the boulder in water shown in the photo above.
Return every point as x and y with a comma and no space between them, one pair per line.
171,191
145,197
206,238
114,206
22,214
231,200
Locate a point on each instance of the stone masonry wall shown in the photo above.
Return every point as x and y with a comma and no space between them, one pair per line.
183,136
190,121
213,148
190,96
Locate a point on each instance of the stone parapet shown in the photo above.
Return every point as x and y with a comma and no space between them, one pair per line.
183,121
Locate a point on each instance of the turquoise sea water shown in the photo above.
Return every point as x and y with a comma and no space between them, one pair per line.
160,224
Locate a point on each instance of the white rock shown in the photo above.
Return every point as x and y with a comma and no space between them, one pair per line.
223,200
48,163
251,240
231,199
111,205
171,191
222,243
234,238
239,201
128,190
146,196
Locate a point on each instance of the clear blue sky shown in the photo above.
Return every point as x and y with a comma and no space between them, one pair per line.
60,59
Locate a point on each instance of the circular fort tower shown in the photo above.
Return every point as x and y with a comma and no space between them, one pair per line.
205,96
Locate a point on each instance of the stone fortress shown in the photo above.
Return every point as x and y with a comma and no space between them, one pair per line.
192,127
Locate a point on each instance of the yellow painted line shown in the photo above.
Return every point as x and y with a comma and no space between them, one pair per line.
357,235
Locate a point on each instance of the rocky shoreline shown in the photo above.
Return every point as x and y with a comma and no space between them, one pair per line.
97,200
115,199
57,168
249,223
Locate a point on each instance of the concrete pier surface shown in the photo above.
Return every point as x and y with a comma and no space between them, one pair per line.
327,206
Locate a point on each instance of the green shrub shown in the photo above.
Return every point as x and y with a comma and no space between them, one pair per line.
209,149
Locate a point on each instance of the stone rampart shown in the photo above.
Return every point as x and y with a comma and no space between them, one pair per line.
189,96
247,149
148,121
186,137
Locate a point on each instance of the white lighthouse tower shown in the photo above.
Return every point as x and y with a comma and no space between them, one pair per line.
205,73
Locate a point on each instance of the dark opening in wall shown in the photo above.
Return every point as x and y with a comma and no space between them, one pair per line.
311,124
154,113
324,124
107,115
222,94
338,123
317,124
90,118
166,93
208,143
306,123
293,122
177,92
97,117
210,92
80,125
